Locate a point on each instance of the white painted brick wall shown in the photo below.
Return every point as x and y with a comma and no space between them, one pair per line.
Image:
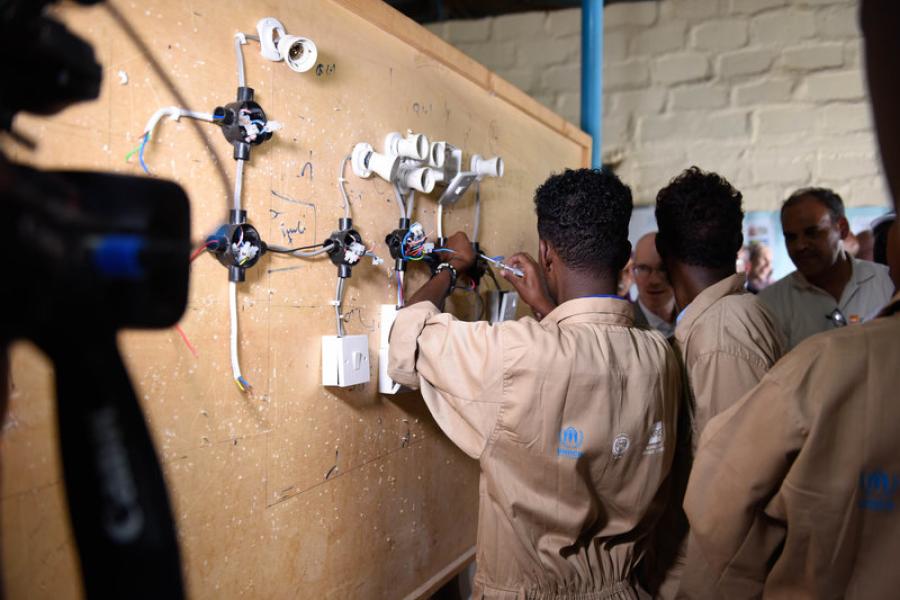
770,93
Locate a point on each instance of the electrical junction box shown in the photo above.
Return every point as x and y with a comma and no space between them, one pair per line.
386,385
345,360
502,306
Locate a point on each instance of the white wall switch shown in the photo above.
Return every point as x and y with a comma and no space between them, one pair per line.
345,360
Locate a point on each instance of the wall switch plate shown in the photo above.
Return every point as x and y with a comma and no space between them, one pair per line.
502,306
386,385
345,360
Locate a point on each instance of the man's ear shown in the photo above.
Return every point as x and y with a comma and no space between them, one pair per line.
544,258
843,227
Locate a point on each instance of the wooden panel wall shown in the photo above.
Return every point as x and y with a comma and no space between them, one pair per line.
293,490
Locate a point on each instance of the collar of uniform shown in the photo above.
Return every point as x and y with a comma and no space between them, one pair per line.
860,272
614,311
728,286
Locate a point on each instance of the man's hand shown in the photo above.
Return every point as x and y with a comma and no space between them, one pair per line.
463,256
531,288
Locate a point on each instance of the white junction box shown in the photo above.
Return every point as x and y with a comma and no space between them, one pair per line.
386,385
345,360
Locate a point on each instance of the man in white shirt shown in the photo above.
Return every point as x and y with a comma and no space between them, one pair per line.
655,306
830,288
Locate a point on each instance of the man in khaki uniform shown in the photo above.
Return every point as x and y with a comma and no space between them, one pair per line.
795,491
571,418
727,339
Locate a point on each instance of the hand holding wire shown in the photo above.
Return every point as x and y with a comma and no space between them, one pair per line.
463,255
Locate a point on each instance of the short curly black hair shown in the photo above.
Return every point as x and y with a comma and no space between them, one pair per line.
828,198
583,214
700,220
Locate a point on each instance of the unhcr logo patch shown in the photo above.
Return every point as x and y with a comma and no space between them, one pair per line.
657,442
570,440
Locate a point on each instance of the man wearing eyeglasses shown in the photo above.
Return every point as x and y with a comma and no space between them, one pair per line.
830,288
655,306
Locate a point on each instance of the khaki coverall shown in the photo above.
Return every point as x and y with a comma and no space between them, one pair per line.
795,491
728,340
573,422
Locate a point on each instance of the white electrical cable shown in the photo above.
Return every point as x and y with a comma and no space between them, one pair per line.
175,113
238,185
235,362
341,181
475,227
439,221
338,301
410,202
401,276
399,198
239,40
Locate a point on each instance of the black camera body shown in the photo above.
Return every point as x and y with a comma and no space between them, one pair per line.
89,254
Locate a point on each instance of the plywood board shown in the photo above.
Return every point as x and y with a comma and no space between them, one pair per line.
293,490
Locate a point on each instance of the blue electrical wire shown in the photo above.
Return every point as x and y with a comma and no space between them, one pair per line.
141,153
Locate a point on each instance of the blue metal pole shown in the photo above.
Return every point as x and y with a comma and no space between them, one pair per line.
592,75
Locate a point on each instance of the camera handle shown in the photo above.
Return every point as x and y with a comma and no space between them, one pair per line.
118,505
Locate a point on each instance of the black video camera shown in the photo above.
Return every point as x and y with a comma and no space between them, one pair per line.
86,255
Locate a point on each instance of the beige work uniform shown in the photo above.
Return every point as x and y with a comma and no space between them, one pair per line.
794,492
573,422
728,340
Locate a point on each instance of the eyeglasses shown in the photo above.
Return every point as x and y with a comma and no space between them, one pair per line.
837,317
646,270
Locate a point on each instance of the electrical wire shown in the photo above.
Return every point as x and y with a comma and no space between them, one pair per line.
283,250
475,226
338,301
493,277
168,83
300,253
238,186
341,181
196,254
174,113
400,278
412,246
141,153
313,254
242,383
239,40
400,202
439,221
410,201
187,342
